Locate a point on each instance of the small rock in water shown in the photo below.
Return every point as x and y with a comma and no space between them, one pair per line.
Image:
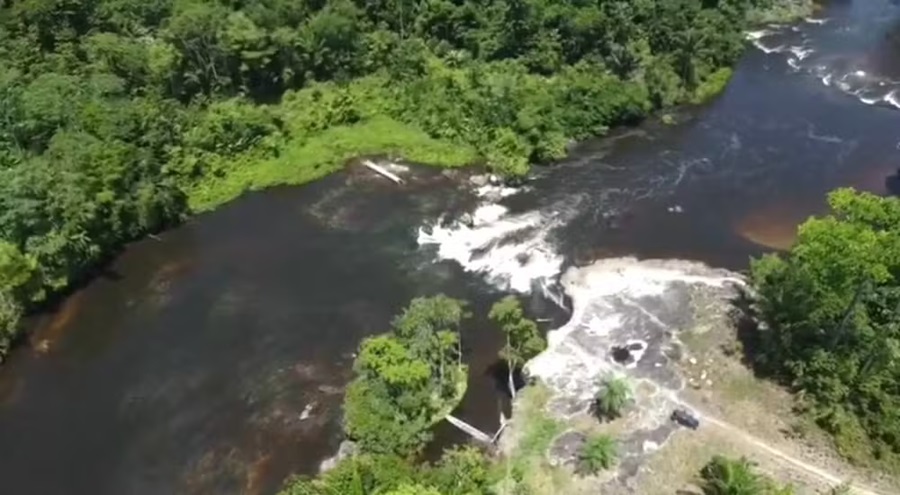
478,180
347,449
467,220
307,411
493,179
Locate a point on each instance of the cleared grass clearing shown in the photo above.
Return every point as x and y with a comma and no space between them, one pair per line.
726,388
303,161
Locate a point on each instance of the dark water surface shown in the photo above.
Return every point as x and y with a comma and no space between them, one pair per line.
185,367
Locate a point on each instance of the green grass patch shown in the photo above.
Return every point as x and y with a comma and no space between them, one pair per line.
302,161
712,86
526,469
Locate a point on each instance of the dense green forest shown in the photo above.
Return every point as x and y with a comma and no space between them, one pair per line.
119,117
407,379
832,306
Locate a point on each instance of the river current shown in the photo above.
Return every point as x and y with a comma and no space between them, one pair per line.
212,359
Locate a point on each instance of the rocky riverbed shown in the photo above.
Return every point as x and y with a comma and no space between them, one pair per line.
626,319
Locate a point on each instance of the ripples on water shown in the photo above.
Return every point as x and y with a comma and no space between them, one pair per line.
757,162
854,48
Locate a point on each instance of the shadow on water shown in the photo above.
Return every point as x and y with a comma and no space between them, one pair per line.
498,373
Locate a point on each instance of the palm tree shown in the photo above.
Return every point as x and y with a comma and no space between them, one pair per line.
611,399
723,476
598,453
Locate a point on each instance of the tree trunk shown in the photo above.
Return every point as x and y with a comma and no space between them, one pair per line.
509,365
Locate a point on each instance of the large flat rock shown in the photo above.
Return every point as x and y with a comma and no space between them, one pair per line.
626,320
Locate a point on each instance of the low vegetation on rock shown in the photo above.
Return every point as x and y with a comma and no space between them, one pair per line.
611,399
598,454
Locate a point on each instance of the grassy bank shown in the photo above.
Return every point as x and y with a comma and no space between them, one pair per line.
780,11
302,161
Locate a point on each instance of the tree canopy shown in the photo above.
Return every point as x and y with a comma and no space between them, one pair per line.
407,379
523,339
832,305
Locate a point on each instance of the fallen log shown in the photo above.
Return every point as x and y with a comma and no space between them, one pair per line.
470,430
378,169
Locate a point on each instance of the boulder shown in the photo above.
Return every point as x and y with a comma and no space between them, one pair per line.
346,449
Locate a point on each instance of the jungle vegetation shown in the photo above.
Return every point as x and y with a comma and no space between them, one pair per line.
120,117
832,311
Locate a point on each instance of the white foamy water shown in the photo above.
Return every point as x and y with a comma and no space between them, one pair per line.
511,251
801,52
869,100
755,35
775,49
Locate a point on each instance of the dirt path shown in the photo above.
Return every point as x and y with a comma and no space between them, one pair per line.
828,477
763,447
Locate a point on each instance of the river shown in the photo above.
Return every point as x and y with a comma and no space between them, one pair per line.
185,366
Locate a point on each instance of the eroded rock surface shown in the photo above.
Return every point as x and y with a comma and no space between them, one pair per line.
627,316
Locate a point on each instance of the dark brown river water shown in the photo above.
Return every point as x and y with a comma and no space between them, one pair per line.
185,366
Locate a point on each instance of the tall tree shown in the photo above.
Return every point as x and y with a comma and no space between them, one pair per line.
523,338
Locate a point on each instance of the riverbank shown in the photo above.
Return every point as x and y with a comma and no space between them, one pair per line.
782,11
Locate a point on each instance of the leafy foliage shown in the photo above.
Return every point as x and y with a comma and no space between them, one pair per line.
407,379
611,399
523,337
598,454
832,306
461,471
723,476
